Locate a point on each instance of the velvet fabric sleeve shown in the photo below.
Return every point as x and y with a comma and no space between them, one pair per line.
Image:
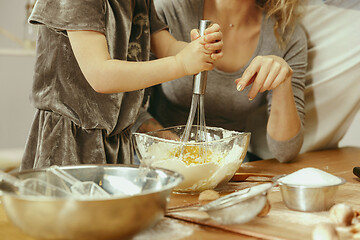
70,14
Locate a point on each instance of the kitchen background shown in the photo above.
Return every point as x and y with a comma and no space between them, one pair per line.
17,58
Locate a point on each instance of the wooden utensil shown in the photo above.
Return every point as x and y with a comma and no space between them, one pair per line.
240,177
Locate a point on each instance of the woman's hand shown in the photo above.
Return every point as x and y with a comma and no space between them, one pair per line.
200,54
273,73
265,73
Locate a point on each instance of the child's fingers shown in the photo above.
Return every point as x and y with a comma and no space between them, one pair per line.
213,28
216,56
208,66
216,46
213,37
194,34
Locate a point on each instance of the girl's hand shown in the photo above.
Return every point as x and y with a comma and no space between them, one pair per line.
200,54
213,40
266,73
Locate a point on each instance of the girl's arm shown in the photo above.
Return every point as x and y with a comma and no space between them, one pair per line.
108,75
163,44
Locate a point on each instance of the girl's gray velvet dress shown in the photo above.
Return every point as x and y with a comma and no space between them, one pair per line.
73,123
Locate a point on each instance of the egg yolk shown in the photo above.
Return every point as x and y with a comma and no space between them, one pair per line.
193,154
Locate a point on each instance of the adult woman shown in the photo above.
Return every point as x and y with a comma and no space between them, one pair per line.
265,50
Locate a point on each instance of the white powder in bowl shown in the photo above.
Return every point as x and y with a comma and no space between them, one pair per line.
310,177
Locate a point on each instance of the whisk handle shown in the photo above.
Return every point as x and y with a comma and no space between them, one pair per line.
203,25
199,80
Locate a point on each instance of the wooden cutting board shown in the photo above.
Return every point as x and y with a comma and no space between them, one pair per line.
280,223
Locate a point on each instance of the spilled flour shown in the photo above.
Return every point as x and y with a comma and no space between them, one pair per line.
299,218
166,229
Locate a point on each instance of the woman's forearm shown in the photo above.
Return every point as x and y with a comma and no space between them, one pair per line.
150,125
284,121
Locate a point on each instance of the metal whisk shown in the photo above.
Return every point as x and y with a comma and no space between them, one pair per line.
197,104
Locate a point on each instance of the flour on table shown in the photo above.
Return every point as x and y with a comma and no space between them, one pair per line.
166,229
300,218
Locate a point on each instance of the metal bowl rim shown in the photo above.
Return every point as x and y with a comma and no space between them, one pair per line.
242,198
276,180
179,178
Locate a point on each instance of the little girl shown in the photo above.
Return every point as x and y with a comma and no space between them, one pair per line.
92,66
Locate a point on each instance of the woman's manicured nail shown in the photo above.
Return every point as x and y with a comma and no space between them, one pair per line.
239,87
250,99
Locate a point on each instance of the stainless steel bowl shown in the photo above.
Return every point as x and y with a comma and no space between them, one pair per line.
118,217
308,198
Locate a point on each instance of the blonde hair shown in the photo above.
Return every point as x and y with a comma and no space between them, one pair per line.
286,14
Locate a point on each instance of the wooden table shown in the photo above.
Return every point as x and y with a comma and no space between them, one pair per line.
339,162
282,223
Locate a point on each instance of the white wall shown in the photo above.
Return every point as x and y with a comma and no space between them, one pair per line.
352,137
16,111
12,17
16,71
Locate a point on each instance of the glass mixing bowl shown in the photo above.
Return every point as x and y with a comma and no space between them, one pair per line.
204,165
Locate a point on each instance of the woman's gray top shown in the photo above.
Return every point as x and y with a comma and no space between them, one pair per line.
224,106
